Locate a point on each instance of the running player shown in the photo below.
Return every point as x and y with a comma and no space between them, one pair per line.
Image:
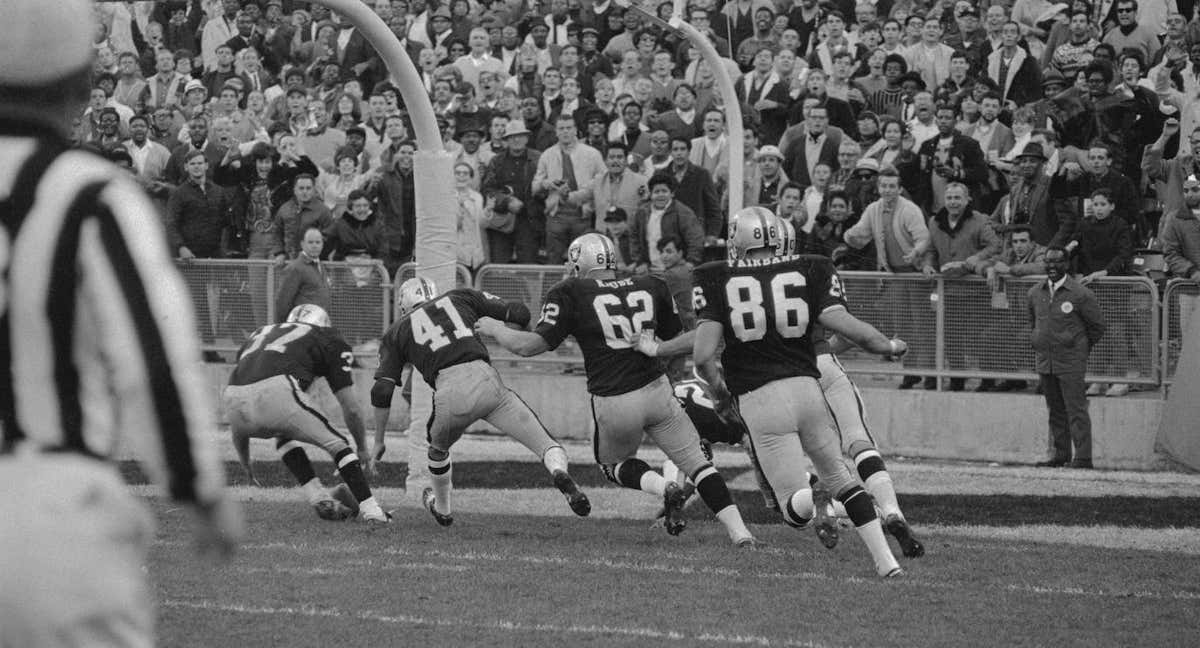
763,307
630,394
267,398
435,335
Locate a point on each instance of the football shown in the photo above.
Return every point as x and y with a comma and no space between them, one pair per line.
342,493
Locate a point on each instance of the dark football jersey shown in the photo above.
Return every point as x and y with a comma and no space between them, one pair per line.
700,410
302,351
768,308
603,315
441,333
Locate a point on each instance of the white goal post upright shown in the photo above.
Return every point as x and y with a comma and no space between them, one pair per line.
436,206
733,107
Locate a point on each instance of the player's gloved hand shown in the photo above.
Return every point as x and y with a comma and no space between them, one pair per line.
646,343
488,326
899,348
219,528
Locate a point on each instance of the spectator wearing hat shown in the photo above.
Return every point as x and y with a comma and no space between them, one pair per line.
1029,202
1013,69
1066,324
764,187
970,36
195,103
473,153
441,27
619,187
508,185
862,187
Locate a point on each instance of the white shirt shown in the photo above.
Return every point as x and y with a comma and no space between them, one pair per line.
139,154
343,39
653,235
812,151
921,132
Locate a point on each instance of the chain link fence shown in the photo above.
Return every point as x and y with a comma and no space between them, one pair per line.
1180,299
956,328
233,297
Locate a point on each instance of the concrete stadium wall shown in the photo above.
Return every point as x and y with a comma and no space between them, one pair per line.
930,425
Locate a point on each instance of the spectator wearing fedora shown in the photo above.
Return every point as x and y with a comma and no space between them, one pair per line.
769,180
516,226
1029,202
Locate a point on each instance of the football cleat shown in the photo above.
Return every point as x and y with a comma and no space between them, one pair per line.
747,542
673,500
331,509
824,523
896,572
575,498
378,516
909,545
427,500
342,494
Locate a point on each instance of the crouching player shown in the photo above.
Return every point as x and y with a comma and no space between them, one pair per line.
266,398
630,394
436,335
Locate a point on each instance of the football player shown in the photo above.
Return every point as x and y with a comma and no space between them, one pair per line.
630,394
436,335
763,307
267,398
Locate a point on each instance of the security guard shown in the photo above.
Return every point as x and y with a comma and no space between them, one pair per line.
1067,324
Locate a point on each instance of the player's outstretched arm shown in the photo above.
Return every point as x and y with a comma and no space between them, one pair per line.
840,321
681,344
381,400
707,340
522,343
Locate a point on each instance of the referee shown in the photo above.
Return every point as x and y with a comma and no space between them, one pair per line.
97,349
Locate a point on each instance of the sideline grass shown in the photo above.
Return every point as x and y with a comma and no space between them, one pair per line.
505,580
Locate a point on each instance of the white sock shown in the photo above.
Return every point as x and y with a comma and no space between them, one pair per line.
879,485
731,517
314,491
653,483
555,459
670,471
799,507
441,485
872,535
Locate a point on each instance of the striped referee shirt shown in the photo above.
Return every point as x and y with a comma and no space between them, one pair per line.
96,329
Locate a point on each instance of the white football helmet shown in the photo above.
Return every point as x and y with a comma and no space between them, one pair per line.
309,314
413,293
591,252
787,238
753,228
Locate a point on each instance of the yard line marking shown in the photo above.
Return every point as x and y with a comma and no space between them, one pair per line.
353,564
511,626
912,580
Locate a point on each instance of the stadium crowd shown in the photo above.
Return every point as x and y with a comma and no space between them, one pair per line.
943,138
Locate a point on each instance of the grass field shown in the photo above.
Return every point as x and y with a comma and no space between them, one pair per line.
1016,557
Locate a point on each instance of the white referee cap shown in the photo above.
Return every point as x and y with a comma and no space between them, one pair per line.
42,41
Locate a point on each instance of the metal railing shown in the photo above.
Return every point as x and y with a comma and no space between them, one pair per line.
233,297
1178,307
956,328
959,328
